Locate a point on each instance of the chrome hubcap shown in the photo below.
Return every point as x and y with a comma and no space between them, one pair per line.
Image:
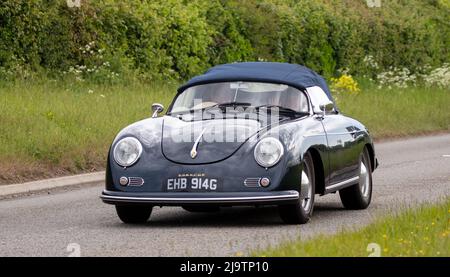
306,192
364,180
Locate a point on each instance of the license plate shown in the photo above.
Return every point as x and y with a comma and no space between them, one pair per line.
193,184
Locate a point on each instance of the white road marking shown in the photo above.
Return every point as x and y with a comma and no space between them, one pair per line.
446,156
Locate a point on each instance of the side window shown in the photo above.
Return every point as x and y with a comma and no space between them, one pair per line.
294,99
317,96
304,105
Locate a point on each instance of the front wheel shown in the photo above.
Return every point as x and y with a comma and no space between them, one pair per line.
301,212
358,196
133,214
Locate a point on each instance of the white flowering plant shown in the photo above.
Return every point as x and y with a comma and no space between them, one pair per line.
94,66
18,70
439,77
395,77
403,77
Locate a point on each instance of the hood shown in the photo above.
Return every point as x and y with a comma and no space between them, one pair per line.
206,141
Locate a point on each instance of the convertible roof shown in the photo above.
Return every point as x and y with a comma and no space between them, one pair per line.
293,75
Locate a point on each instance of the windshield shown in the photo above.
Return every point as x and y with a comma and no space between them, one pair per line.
240,93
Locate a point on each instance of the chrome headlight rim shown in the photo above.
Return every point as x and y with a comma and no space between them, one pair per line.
279,145
139,146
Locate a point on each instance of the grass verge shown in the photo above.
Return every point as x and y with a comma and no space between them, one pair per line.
417,232
402,112
51,128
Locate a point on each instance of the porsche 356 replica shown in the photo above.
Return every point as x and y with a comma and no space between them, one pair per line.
254,133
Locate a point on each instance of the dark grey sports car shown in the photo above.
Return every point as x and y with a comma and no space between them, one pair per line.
242,134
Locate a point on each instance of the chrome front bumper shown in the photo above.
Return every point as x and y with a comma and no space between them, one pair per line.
188,198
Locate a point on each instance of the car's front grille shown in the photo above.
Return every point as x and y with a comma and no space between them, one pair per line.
135,181
252,182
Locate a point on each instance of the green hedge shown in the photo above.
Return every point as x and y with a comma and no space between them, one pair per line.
174,39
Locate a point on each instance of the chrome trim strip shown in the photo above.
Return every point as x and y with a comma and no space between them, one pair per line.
343,133
194,147
341,184
313,135
294,195
331,134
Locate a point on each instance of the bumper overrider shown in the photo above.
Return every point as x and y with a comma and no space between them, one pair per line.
190,198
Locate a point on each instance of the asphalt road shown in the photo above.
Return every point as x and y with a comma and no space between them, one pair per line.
412,171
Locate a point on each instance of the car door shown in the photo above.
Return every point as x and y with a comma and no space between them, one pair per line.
343,159
342,148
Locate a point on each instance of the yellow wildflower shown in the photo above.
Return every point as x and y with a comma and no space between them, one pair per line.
345,84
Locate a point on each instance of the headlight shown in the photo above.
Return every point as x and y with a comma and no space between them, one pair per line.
127,151
268,152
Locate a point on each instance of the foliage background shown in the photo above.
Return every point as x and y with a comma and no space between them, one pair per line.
175,39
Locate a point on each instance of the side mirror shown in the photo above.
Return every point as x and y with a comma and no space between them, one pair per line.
156,109
326,107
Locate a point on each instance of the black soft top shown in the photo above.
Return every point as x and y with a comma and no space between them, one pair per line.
294,75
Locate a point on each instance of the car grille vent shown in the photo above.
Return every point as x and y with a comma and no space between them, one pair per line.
252,182
135,181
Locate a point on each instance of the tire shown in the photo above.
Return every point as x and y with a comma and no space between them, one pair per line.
202,209
358,196
301,212
133,214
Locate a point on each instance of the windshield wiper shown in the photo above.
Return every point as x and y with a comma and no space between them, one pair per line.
282,109
230,104
219,105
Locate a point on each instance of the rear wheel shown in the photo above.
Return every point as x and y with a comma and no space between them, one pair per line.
301,212
133,214
358,196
